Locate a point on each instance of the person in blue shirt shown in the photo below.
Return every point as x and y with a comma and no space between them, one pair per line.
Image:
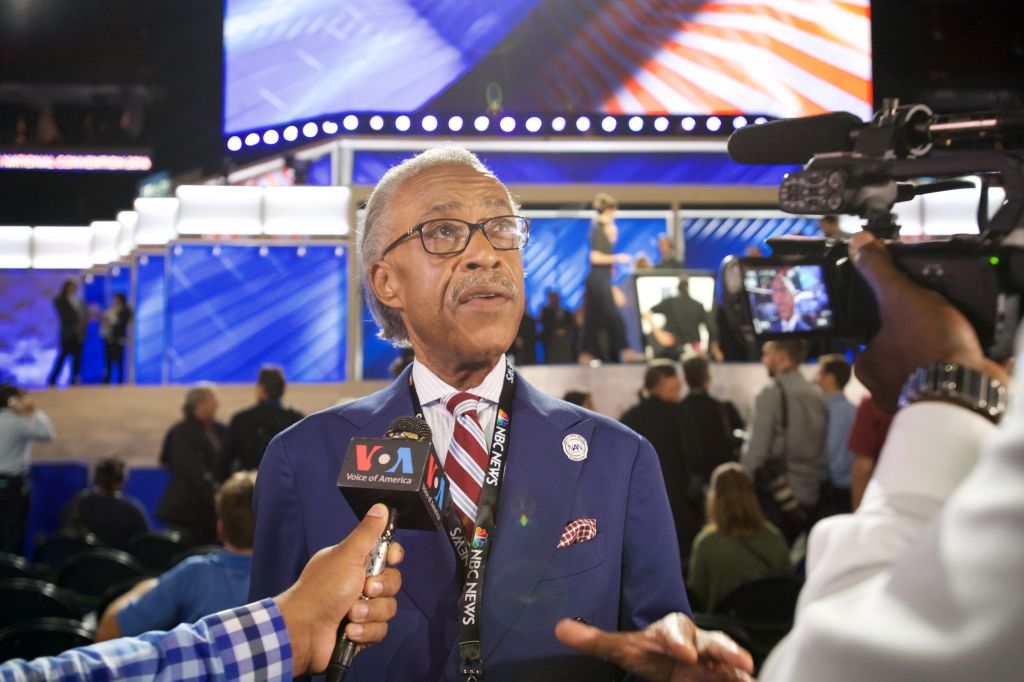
273,639
199,585
833,374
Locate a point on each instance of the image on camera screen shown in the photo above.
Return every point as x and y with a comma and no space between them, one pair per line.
788,299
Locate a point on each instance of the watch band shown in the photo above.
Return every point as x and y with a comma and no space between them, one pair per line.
954,383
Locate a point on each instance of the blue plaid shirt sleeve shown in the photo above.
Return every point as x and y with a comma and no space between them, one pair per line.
249,642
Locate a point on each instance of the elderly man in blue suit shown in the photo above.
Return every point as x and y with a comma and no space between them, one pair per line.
576,522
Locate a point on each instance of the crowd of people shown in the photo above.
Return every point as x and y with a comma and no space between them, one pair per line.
586,545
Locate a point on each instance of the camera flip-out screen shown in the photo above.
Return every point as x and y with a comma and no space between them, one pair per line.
788,300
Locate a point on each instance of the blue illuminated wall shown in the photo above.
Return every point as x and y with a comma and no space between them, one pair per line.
232,309
150,310
710,238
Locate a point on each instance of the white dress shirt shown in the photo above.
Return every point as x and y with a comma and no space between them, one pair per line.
926,580
431,391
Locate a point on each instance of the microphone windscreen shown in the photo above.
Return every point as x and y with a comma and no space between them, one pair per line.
794,140
409,427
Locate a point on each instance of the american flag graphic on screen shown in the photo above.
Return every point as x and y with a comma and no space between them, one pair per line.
776,57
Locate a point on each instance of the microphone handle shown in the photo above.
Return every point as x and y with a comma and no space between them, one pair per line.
345,649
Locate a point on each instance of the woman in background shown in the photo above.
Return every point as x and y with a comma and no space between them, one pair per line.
736,543
114,330
604,333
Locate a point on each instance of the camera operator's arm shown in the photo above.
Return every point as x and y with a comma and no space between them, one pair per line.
923,581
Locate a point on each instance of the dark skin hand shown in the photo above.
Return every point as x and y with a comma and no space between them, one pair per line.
328,590
670,650
919,327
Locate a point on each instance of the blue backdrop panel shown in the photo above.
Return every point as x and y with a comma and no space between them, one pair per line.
235,308
377,353
150,310
147,485
608,168
54,484
709,239
556,258
29,330
320,172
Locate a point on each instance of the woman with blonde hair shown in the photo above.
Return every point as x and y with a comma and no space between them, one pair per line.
737,541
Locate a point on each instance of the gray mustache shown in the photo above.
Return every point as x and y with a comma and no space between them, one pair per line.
493,279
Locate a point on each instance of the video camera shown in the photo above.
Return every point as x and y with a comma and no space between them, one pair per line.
808,288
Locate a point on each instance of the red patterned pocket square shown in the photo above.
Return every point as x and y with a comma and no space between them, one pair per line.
580,530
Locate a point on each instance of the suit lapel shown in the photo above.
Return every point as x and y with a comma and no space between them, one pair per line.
537,497
430,573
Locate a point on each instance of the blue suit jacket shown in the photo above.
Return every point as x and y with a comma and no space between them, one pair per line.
625,578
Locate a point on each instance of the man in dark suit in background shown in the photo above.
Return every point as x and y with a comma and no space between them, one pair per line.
582,527
190,454
252,429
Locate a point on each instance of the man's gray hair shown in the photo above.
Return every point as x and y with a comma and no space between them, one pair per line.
196,395
370,234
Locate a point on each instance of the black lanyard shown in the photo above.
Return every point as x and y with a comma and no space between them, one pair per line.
473,554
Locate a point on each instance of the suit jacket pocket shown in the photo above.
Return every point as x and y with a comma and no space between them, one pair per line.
576,559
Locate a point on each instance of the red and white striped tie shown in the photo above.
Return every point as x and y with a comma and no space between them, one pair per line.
467,455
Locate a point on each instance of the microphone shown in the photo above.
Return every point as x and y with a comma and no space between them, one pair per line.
794,140
402,471
909,131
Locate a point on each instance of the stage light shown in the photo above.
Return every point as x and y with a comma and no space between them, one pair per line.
270,137
507,124
583,124
688,123
402,123
351,122
301,251
234,143
377,122
714,123
636,124
759,120
661,124
291,133
533,124
264,251
429,123
455,124
481,123
608,124
330,127
310,129
558,124
252,139
739,122
339,251
215,250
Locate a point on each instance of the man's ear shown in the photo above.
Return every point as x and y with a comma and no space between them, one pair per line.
385,284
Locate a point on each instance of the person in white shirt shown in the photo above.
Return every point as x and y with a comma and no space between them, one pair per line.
21,424
924,580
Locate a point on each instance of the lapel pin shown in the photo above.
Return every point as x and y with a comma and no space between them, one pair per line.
575,447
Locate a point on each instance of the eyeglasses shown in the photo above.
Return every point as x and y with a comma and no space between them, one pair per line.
446,236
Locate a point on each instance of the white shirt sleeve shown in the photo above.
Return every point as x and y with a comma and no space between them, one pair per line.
924,581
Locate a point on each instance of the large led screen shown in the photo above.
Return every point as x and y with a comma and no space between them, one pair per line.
290,60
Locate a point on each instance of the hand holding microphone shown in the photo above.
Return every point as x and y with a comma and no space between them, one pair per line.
401,471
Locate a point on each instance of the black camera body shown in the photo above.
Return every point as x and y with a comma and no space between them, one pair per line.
809,288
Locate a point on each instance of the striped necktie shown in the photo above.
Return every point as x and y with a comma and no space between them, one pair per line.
467,455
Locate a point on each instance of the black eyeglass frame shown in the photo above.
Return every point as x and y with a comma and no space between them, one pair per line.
469,236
